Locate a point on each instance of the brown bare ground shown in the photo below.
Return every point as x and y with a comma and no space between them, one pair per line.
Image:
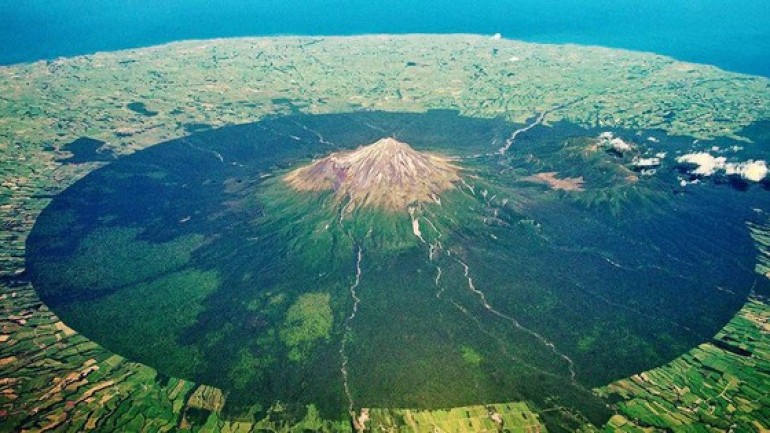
564,184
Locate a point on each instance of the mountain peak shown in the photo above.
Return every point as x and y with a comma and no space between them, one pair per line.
387,173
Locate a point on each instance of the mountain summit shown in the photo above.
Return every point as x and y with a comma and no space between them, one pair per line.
387,174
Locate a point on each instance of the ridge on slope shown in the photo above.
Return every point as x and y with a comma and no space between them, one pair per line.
388,174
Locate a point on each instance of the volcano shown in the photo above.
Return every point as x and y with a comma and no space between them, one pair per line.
428,275
387,174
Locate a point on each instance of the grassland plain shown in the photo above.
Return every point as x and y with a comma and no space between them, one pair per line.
51,378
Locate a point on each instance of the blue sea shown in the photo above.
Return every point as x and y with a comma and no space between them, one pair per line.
733,35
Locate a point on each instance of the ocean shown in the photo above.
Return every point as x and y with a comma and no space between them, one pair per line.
731,35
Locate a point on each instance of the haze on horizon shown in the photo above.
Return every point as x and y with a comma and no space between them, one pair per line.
733,36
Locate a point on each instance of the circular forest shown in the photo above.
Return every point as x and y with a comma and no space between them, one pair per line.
380,259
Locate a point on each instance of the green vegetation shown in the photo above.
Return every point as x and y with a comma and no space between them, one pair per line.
113,257
246,367
53,378
761,235
308,320
717,386
154,312
509,417
458,300
587,341
471,356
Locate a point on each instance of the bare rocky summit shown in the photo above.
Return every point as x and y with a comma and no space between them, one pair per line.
388,174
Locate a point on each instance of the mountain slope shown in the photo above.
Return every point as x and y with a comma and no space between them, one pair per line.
388,174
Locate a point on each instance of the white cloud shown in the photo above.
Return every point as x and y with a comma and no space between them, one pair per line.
646,162
707,165
754,171
608,140
620,145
